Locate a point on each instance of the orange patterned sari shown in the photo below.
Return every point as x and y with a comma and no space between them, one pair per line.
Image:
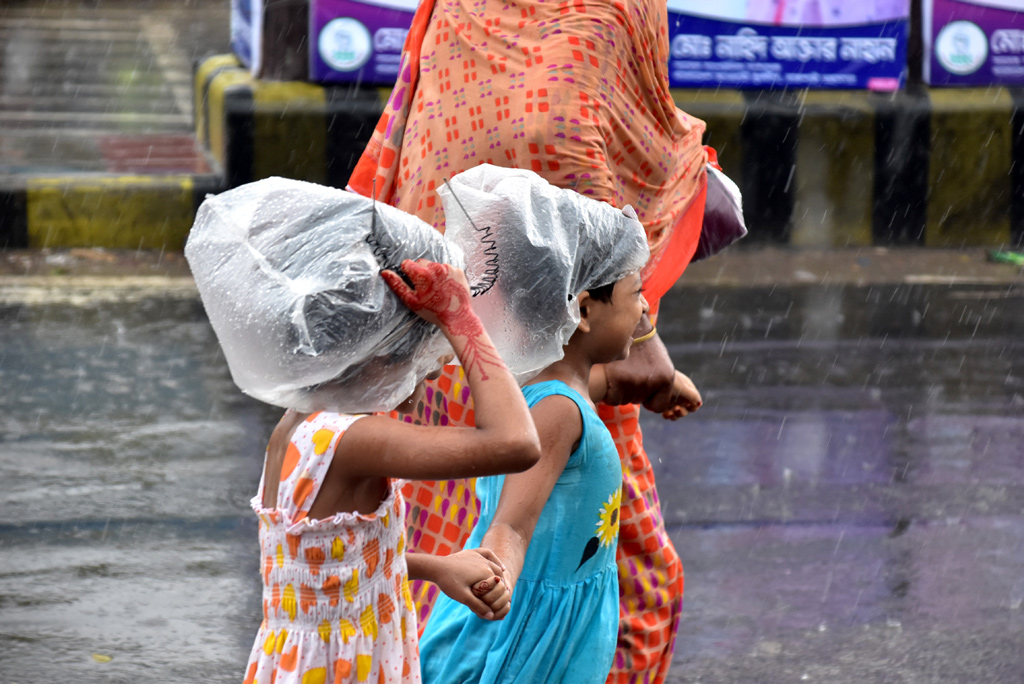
577,91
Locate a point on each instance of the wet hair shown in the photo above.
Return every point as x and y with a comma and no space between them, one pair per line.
602,293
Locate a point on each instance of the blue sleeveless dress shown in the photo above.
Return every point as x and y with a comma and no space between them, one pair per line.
565,607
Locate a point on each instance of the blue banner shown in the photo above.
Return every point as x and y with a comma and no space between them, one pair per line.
708,52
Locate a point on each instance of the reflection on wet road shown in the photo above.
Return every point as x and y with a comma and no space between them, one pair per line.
849,504
129,458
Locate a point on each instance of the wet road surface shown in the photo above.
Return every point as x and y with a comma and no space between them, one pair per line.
848,505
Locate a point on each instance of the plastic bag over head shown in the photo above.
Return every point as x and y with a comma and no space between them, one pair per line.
530,249
289,273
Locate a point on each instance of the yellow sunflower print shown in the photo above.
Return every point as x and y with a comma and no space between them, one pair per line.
608,524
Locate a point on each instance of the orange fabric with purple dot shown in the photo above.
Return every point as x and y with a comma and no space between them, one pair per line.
577,91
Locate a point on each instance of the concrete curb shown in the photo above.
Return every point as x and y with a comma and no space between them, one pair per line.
929,167
92,210
941,168
922,166
255,128
43,273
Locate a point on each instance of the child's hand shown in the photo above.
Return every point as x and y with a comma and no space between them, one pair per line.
476,578
439,292
494,592
679,400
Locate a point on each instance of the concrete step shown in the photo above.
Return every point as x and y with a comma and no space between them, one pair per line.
115,211
97,139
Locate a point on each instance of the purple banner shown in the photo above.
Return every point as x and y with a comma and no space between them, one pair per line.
973,43
712,52
360,42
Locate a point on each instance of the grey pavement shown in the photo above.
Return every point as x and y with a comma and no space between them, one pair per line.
848,504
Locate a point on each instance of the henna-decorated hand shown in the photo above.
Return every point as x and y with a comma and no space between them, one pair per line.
439,293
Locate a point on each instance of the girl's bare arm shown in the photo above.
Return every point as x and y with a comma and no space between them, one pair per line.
524,495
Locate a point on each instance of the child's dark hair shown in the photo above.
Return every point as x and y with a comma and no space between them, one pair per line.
603,293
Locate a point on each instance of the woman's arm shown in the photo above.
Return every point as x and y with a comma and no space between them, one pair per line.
504,439
646,377
524,495
644,373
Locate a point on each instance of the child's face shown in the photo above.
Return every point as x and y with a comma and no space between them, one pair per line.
614,322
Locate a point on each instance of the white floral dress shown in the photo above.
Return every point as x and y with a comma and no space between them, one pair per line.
336,600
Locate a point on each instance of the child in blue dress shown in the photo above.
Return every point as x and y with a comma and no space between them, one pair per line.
554,527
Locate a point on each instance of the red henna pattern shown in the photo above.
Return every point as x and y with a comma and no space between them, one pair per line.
435,290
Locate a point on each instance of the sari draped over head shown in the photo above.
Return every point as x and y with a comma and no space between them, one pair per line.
576,91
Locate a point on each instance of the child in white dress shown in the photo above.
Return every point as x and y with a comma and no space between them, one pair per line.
336,601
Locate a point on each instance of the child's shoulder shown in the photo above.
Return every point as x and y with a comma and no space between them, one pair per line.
328,420
563,416
538,391
301,428
558,403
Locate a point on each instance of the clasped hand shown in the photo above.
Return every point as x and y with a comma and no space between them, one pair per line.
476,578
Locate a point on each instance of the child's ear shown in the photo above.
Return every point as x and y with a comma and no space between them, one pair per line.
585,301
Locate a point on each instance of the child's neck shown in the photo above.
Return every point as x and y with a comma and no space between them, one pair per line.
573,369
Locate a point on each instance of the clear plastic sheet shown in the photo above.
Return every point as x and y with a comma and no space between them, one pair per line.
530,249
289,273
